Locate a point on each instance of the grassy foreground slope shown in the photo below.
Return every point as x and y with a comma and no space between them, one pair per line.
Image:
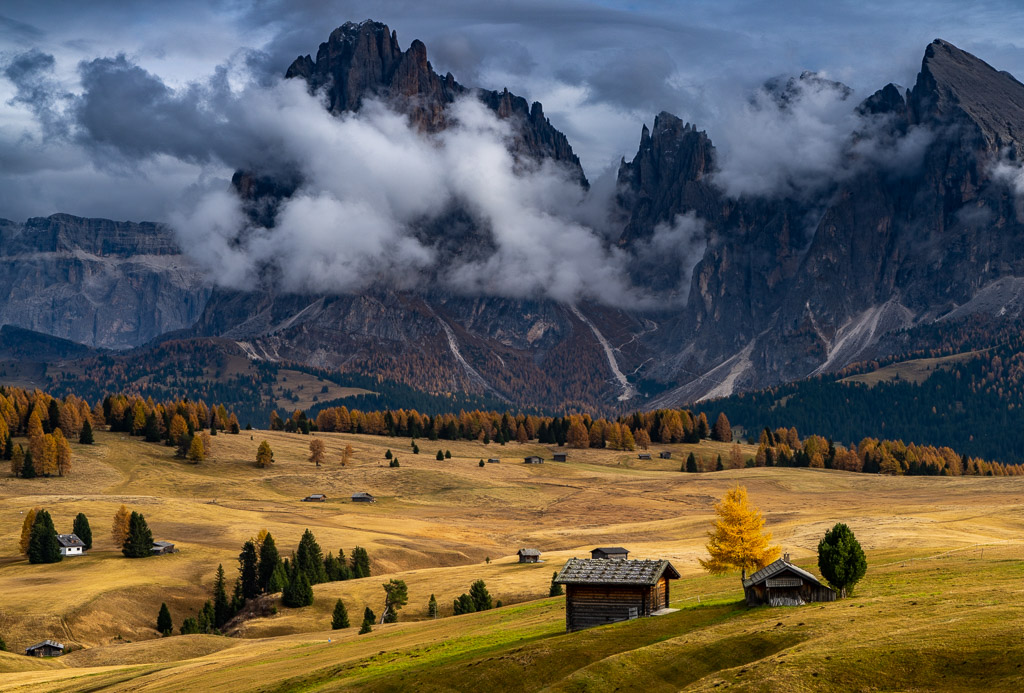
923,619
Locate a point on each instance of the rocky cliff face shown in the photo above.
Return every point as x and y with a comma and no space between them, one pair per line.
779,287
97,282
775,299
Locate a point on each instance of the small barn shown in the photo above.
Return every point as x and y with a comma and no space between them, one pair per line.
665,455
46,648
529,555
315,498
561,456
363,497
533,459
610,552
70,545
783,584
493,460
598,592
644,456
162,547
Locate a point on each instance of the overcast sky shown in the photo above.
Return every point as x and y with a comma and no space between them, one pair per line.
601,69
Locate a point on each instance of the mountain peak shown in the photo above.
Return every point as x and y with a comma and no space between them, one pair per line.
954,84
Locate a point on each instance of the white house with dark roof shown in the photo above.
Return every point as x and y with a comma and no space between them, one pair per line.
70,545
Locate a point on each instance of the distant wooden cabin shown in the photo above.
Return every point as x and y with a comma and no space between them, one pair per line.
70,545
610,552
533,459
783,584
665,455
493,460
529,555
598,591
561,456
363,497
163,547
315,498
46,648
644,456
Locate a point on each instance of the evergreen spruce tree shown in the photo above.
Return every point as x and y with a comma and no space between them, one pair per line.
189,626
248,570
3,645
152,430
86,436
440,455
43,546
556,588
28,469
269,560
344,572
163,621
447,454
463,605
299,592
719,466
360,563
480,596
432,607
309,559
396,595
691,464
368,615
841,559
278,579
221,605
139,542
82,530
366,627
340,618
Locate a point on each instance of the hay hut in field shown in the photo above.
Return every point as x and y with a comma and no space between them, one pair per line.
163,547
533,459
46,648
363,497
644,456
561,456
783,584
665,455
315,498
609,552
600,591
529,555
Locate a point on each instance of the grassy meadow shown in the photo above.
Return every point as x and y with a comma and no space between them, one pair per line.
940,608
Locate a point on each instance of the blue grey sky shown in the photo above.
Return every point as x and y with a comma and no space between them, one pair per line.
601,69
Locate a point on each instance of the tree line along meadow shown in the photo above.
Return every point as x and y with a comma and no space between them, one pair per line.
48,422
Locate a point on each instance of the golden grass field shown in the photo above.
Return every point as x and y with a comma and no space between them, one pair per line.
913,370
940,609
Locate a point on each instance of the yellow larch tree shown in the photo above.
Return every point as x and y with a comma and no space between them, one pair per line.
119,531
738,539
26,529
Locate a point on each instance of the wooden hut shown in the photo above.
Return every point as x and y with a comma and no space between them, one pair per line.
162,547
315,498
363,497
644,456
783,584
533,459
607,591
610,552
665,455
46,648
529,555
493,460
561,456
70,545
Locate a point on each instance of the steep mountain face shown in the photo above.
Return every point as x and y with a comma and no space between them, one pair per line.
97,282
893,246
767,288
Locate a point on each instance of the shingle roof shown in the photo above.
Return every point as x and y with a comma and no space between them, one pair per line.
611,549
70,541
529,552
776,568
361,494
602,571
44,643
162,544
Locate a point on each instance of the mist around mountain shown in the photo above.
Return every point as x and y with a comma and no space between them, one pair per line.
387,220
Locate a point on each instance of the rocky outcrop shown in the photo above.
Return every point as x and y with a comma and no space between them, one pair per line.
97,282
364,60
